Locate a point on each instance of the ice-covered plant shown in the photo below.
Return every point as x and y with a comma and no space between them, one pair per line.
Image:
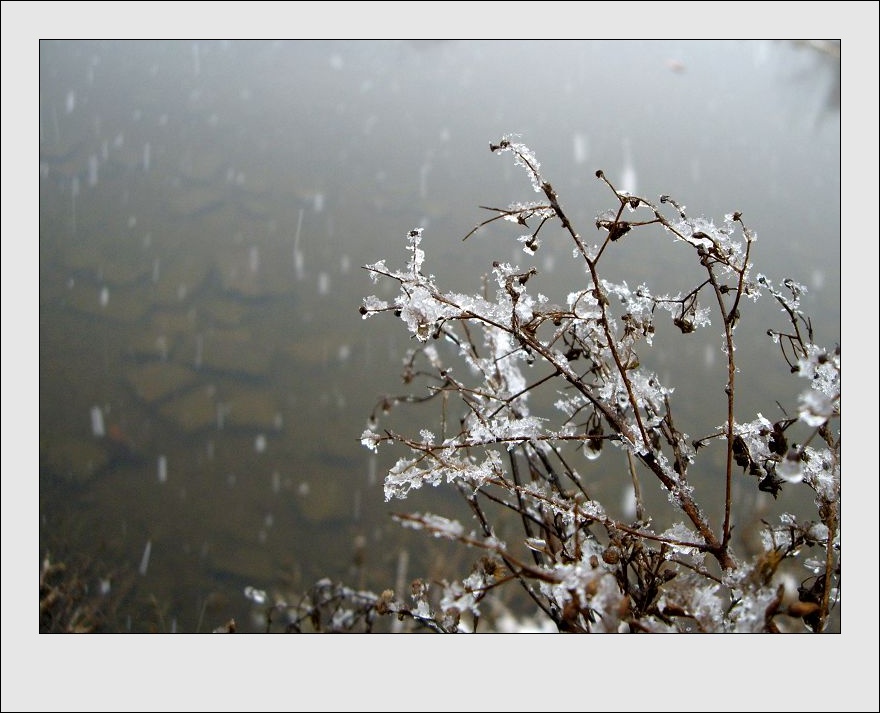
483,357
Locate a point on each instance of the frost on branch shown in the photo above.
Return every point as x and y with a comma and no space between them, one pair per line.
523,156
411,473
491,362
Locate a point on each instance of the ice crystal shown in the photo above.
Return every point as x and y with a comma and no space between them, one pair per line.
823,369
376,270
519,212
681,534
422,312
815,408
821,471
530,244
371,440
373,304
407,474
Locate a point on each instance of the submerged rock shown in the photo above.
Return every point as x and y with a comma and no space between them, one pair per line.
74,459
229,351
329,494
196,202
256,271
193,411
156,381
67,154
116,304
223,312
248,562
109,258
327,500
177,279
253,409
161,338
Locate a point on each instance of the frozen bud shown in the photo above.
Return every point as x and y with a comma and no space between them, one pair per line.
491,568
618,230
419,588
685,325
383,604
611,555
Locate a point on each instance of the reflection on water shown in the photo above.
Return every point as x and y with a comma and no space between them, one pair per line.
204,210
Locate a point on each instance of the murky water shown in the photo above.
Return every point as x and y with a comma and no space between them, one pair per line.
204,212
